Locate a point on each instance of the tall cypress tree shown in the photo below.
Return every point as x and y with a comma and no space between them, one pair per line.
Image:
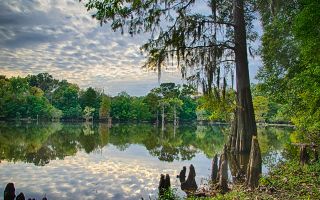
207,39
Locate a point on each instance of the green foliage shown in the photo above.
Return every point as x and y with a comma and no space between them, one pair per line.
120,107
20,100
87,112
55,113
266,108
188,109
66,99
152,102
174,98
295,181
291,71
105,106
261,108
72,112
220,106
90,98
44,81
139,110
170,194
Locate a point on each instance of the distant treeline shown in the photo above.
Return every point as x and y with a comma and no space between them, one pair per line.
43,97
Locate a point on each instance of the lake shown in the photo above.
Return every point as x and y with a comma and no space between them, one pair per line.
94,161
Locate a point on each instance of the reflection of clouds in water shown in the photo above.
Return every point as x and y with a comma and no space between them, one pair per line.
105,174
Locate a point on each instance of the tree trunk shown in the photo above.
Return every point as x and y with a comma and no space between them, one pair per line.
157,122
162,127
175,116
304,155
223,171
246,126
214,169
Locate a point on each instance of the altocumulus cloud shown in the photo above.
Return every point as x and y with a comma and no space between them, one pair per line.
61,38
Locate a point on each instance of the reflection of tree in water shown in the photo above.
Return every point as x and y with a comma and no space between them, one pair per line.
41,157
17,141
166,153
87,129
44,142
272,141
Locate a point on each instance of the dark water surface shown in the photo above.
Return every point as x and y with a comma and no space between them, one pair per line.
86,161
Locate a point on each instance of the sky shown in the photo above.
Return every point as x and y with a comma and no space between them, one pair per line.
61,38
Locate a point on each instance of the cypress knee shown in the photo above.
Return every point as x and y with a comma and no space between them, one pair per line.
255,165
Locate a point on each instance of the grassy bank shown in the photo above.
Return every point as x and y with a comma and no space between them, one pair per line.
288,180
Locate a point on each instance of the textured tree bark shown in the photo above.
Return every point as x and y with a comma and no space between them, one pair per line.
214,169
304,155
233,136
246,126
255,165
234,165
223,172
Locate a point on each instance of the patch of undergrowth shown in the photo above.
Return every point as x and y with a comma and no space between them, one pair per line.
288,180
170,194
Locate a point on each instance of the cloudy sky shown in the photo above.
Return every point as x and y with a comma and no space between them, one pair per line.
61,38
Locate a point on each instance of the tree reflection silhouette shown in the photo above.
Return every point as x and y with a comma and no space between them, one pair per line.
39,144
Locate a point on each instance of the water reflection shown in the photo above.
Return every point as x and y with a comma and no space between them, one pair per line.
94,161
39,144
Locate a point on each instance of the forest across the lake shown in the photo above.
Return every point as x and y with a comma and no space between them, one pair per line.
45,98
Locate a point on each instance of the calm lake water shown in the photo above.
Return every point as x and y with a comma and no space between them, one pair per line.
85,161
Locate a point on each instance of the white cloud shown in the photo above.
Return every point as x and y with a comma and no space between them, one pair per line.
61,38
105,174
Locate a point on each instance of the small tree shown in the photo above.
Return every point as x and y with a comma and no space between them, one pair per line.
177,104
261,108
162,104
55,113
105,107
88,111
